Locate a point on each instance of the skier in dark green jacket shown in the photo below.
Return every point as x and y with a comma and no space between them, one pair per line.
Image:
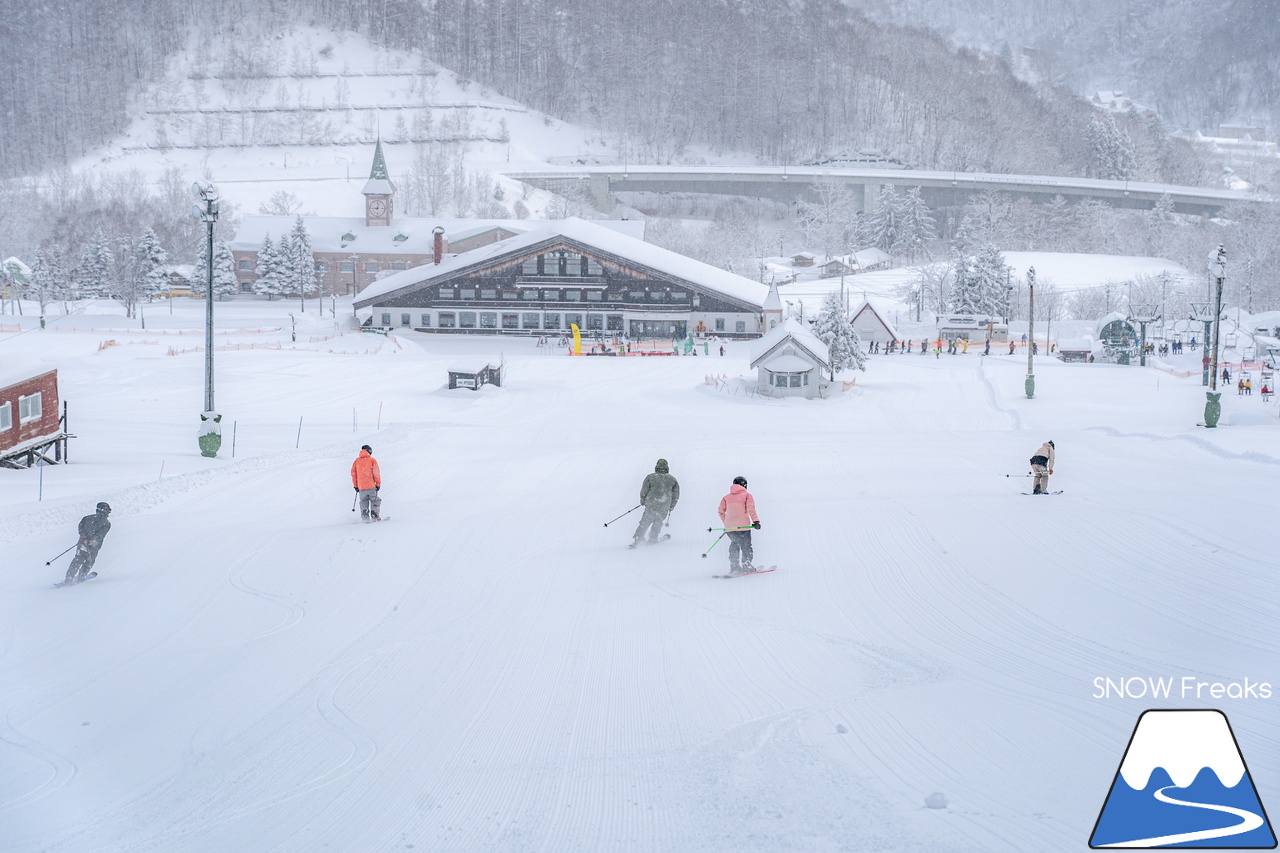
659,494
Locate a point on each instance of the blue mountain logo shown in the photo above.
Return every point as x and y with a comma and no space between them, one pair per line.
1183,783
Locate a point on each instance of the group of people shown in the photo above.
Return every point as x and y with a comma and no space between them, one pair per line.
659,494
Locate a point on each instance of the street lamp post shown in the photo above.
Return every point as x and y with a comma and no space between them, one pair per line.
354,258
1213,397
1030,384
1142,315
210,434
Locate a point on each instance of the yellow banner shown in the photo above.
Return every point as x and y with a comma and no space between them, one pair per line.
577,339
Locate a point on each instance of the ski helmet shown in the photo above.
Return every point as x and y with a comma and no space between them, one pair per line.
366,448
1051,443
740,481
104,508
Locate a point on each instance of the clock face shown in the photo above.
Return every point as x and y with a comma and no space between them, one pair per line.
377,208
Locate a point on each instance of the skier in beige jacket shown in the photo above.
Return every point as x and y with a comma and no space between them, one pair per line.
1042,467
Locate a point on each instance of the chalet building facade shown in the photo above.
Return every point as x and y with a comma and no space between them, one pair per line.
350,252
564,273
30,423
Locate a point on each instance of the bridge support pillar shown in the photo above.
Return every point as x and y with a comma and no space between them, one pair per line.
870,197
598,187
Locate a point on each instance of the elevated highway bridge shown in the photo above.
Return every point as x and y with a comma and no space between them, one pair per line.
939,189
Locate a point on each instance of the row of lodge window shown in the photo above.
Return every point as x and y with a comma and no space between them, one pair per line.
561,263
536,294
528,320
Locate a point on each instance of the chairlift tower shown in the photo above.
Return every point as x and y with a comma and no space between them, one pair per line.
1142,315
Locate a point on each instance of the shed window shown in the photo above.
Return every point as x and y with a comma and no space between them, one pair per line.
386,319
615,322
551,295
595,322
347,266
530,266
529,294
468,293
510,294
447,293
30,408
447,319
488,293
510,321
6,417
572,295
371,266
246,265
406,319
595,295
636,295
529,321
740,327
573,320
397,265
719,324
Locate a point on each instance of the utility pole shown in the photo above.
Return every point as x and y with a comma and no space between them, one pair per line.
1213,397
1142,315
1030,383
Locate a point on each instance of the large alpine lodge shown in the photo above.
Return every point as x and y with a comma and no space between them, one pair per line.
564,273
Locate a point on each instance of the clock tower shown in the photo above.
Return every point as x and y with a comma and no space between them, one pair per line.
378,191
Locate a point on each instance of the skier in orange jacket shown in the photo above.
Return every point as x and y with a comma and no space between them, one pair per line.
367,479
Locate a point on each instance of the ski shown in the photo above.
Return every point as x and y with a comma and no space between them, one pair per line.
663,538
73,583
1037,494
372,520
747,574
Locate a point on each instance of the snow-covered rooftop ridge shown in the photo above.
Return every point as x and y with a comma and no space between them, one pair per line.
789,328
589,234
865,306
19,365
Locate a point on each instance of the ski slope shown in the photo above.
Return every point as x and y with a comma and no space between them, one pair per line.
492,670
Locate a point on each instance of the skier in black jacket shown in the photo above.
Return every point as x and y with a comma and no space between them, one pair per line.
93,529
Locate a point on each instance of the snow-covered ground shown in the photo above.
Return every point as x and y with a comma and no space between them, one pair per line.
492,670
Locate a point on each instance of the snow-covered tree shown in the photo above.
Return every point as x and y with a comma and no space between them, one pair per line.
298,261
153,261
829,221
917,228
882,226
979,284
93,275
270,281
225,282
834,329
1112,151
46,279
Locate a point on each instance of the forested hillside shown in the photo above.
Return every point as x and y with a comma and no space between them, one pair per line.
1200,62
784,82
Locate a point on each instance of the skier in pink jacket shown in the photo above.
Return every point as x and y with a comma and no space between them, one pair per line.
738,512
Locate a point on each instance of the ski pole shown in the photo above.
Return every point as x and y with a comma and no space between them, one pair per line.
1018,475
729,529
50,562
354,501
628,512
713,544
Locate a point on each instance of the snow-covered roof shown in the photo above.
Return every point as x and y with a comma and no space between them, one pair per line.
784,362
773,302
329,233
1085,344
588,234
776,338
1110,318
19,366
16,268
889,327
471,365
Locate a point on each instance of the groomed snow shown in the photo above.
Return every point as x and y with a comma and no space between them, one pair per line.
492,670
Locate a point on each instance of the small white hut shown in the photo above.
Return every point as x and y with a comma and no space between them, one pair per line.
871,325
791,361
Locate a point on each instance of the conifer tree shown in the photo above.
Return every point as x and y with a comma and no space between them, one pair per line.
153,260
917,227
883,224
299,261
93,275
834,329
225,282
270,281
